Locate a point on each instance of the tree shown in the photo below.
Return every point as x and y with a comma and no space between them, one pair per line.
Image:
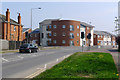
118,41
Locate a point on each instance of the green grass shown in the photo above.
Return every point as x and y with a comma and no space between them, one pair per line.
83,65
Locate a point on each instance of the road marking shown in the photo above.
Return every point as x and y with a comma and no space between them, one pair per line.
5,59
40,70
35,74
34,55
20,57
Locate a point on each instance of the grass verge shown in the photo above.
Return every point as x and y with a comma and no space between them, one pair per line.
83,66
9,51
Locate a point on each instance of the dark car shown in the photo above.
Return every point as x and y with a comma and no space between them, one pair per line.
28,48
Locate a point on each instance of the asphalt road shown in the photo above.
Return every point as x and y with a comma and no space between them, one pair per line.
20,65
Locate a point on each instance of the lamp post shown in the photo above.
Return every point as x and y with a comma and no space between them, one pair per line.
31,15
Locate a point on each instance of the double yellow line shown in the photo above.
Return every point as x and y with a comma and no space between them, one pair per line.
36,73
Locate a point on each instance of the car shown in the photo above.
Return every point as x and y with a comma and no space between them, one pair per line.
28,48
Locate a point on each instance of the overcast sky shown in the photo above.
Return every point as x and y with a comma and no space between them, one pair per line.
100,14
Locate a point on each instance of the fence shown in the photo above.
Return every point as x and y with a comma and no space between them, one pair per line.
10,45
15,44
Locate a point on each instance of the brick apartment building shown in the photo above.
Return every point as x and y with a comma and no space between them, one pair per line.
33,36
10,29
103,38
55,32
26,30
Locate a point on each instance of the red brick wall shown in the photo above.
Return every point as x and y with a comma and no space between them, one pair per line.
59,31
87,30
8,29
29,31
95,39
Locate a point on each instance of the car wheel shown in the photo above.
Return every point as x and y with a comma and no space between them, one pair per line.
37,50
30,51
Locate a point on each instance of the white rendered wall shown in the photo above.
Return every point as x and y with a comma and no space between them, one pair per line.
91,37
82,29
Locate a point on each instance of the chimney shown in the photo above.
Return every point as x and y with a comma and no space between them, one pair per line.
19,19
7,15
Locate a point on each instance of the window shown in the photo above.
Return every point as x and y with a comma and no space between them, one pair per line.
77,42
50,34
49,40
94,36
54,34
71,28
77,34
30,35
46,28
54,41
71,35
77,27
63,26
14,28
63,34
71,43
87,28
50,27
42,35
63,41
98,36
55,26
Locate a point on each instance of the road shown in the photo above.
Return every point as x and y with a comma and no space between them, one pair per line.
21,65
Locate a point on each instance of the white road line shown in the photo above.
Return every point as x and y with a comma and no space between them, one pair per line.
20,57
34,55
5,59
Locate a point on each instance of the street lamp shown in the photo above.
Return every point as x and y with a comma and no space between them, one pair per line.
31,15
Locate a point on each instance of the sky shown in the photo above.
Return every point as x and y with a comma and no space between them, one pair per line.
100,14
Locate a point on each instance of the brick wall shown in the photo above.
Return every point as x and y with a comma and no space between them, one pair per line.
59,31
9,32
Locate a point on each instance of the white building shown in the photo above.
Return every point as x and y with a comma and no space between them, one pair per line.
43,31
103,38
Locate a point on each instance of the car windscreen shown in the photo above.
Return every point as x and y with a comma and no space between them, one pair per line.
24,46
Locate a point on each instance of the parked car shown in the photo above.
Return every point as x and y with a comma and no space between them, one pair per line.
28,48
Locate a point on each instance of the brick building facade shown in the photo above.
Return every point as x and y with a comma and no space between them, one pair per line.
103,38
29,30
10,29
33,36
65,33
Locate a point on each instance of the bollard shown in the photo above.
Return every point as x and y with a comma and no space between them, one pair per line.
45,66
57,60
64,57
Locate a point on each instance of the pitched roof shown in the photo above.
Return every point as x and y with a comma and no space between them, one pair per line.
103,33
3,19
85,24
48,21
25,29
37,30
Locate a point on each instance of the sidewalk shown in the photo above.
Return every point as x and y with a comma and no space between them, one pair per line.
113,52
9,51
